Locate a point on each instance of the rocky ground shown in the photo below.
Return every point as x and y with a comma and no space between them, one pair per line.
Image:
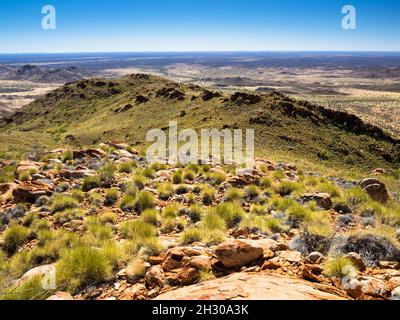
102,223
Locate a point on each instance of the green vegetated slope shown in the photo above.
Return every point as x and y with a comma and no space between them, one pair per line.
90,111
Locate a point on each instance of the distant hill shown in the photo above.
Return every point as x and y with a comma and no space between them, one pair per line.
89,111
39,74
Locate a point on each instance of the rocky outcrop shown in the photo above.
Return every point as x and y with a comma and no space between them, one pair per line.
251,286
31,191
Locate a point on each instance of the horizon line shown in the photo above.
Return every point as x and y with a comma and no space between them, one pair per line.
205,51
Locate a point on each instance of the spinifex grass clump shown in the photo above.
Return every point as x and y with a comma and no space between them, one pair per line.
231,213
141,236
81,267
62,202
91,182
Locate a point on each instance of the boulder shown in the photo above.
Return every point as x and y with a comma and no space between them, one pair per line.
323,200
174,259
75,174
367,286
40,271
6,191
375,188
395,294
202,263
357,261
89,152
31,191
154,277
251,286
60,296
237,253
315,257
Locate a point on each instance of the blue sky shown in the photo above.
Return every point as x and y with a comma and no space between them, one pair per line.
207,25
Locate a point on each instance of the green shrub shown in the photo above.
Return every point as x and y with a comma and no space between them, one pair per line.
171,211
68,215
149,173
100,231
212,221
91,182
193,167
106,174
298,213
217,177
182,189
77,194
208,195
31,289
338,266
285,188
14,237
150,216
95,198
165,191
29,218
231,213
67,156
139,181
137,229
24,176
156,166
62,202
252,191
125,167
234,194
189,175
281,204
191,235
112,196
328,187
257,209
168,225
107,217
144,200
265,182
127,203
7,174
131,189
177,177
279,174
195,213
356,196
142,236
213,237
135,269
82,266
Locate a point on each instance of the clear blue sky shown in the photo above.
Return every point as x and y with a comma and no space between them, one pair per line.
207,25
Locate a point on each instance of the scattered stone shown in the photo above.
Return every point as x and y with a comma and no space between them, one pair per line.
375,188
202,263
30,191
60,296
323,200
236,253
357,261
154,277
315,258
